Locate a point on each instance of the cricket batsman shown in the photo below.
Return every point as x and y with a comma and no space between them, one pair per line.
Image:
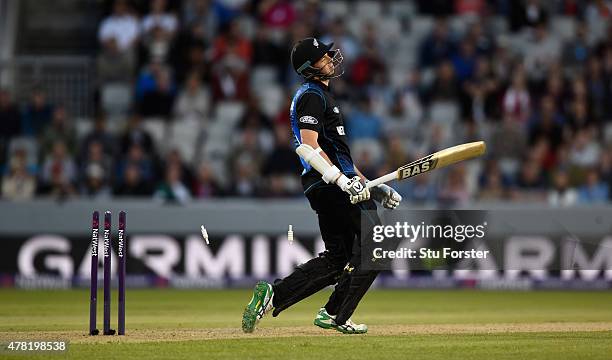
336,191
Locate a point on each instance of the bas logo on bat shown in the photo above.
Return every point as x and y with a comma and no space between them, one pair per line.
415,168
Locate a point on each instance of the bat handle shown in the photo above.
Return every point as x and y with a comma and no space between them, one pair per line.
381,180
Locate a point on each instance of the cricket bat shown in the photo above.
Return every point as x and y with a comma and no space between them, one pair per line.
436,160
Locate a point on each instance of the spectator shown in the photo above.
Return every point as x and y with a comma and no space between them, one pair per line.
193,103
228,10
437,46
470,7
368,66
136,134
159,100
188,54
594,190
362,124
367,167
173,158
547,124
602,42
312,15
436,7
530,183
118,35
96,156
269,51
422,190
464,62
18,184
201,13
156,46
233,44
282,165
528,13
517,101
37,113
60,129
132,183
158,28
396,153
578,118
59,172
10,122
445,86
230,81
606,170
137,157
172,190
585,151
160,18
577,50
245,182
407,108
562,194
479,96
482,40
276,187
99,134
493,184
454,191
119,31
555,89
205,185
277,14
597,14
540,51
343,40
96,183
248,149
253,118
597,89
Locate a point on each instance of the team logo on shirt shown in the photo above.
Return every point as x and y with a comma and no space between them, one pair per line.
340,130
336,110
309,120
315,43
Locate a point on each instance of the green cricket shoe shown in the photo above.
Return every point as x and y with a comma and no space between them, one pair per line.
324,320
327,321
260,304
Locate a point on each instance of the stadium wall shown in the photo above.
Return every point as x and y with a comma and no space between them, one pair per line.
46,244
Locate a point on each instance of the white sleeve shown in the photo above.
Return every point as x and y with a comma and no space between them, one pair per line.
313,157
105,31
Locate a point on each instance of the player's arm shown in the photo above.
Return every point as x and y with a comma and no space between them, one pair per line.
312,153
310,137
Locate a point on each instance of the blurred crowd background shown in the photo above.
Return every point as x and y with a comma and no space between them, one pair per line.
192,101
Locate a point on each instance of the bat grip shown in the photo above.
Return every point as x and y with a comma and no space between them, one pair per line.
381,180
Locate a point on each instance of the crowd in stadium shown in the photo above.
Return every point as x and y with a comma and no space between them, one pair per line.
533,78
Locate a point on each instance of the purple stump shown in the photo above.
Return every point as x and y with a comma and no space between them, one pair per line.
108,247
121,239
93,287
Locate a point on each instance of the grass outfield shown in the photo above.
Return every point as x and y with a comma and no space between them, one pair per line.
163,324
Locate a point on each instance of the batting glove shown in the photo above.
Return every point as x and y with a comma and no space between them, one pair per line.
355,187
386,196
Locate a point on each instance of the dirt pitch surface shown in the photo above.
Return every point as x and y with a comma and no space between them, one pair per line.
153,335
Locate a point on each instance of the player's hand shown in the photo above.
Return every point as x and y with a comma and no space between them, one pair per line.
386,196
355,187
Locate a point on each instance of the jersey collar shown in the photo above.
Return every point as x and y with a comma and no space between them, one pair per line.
318,83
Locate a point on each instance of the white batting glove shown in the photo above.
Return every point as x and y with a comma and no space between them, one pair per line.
355,187
386,196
